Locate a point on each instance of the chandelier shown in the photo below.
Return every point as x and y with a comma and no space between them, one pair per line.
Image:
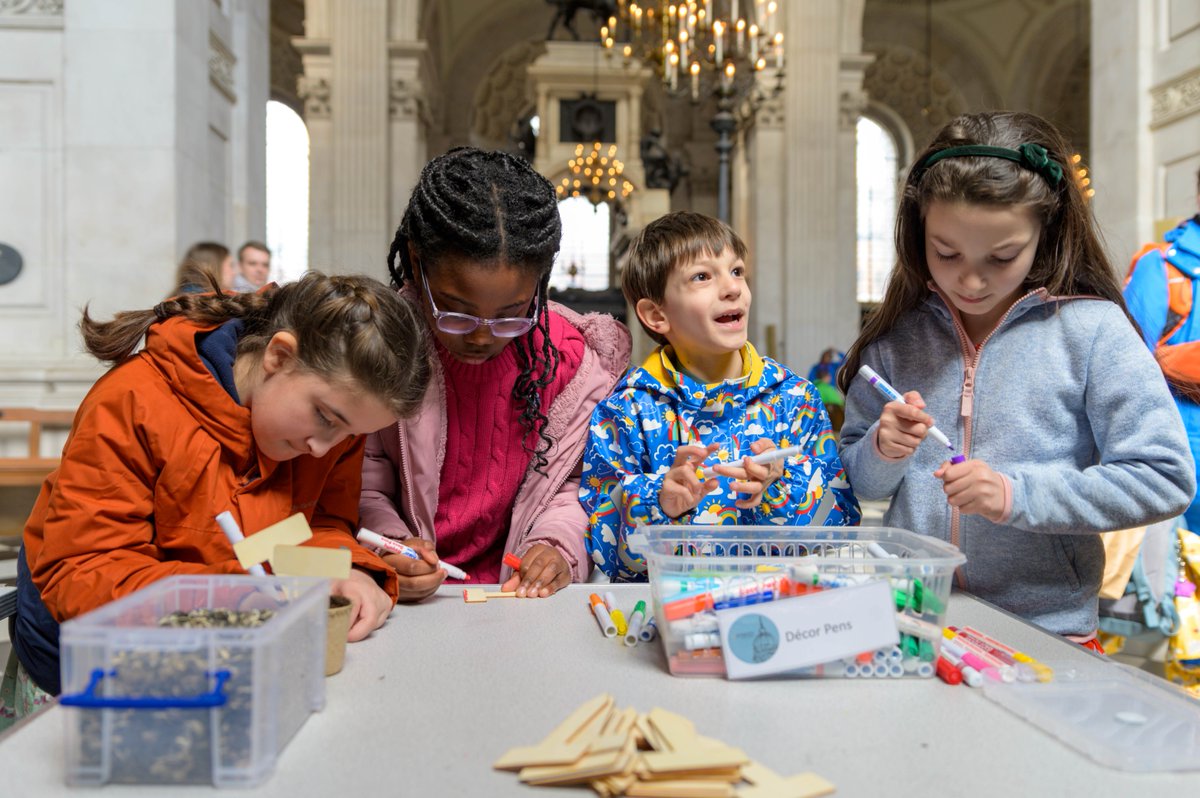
597,175
694,40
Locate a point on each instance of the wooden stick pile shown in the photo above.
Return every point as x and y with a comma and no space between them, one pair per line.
648,755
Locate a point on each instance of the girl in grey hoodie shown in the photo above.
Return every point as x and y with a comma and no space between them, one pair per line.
1003,320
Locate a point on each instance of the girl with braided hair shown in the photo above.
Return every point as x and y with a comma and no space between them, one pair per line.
252,403
490,465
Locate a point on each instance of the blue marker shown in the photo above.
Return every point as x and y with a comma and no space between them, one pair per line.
869,374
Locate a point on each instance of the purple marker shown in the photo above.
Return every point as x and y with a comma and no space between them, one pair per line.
891,393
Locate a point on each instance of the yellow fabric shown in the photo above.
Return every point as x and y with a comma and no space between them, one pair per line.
1120,553
661,365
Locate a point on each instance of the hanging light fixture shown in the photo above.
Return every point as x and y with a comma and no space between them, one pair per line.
596,174
702,47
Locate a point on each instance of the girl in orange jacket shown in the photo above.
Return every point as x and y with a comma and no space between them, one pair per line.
252,403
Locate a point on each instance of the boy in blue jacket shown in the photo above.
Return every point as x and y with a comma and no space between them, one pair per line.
704,398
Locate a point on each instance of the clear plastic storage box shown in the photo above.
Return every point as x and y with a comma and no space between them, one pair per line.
148,704
706,569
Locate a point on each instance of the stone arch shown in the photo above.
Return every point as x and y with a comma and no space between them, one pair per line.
900,79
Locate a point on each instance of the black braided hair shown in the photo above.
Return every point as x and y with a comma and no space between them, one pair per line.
494,209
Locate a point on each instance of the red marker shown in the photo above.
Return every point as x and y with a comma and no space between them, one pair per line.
512,561
947,672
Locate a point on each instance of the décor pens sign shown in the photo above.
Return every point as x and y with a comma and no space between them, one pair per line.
778,636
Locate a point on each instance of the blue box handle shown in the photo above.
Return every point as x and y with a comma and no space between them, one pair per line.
89,700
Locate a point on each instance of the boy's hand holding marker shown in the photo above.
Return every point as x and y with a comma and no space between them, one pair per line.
686,483
970,485
750,476
682,488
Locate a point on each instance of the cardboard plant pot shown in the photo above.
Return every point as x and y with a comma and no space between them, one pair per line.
336,629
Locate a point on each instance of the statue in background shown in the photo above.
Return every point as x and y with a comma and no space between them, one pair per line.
566,9
663,170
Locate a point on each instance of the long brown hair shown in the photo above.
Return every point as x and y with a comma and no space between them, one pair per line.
1070,258
347,328
201,264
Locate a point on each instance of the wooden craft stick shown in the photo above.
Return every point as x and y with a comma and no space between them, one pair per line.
681,788
802,785
561,746
694,761
475,595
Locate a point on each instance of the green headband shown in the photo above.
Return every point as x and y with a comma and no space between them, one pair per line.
1031,156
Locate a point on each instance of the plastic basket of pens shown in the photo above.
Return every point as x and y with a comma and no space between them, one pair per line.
193,680
851,602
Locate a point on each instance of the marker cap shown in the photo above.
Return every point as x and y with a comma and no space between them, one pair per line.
512,560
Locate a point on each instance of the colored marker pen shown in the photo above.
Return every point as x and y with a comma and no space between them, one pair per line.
396,547
635,623
735,593
598,609
512,561
1003,663
947,672
1026,670
881,385
649,630
767,457
972,677
232,531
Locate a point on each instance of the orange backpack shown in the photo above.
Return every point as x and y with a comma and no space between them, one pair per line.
1180,363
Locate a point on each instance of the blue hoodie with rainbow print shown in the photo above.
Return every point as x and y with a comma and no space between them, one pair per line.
658,407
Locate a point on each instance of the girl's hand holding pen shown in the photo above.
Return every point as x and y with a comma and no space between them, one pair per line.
543,572
902,426
418,578
750,477
974,488
682,488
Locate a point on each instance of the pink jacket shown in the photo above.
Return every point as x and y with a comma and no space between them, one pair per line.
403,463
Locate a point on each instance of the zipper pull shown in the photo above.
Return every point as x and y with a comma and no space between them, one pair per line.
968,391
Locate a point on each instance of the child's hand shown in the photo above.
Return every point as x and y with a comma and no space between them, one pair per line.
682,489
902,426
750,477
370,605
418,578
544,571
974,488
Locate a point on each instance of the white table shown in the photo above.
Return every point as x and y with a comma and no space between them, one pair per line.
425,706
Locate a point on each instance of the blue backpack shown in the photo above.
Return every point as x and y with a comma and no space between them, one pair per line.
1149,600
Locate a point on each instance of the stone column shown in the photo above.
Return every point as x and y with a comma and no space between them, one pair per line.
120,150
821,308
251,38
1122,163
766,201
363,99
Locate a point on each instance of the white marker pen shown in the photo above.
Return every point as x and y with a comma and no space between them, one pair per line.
769,456
232,531
881,385
396,547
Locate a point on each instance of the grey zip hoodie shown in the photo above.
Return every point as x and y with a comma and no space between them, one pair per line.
1064,400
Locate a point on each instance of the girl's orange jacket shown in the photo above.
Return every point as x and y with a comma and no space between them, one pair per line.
157,450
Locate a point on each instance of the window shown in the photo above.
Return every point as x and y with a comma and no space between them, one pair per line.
287,192
876,176
582,260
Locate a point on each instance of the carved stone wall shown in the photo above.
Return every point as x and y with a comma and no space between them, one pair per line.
901,79
505,94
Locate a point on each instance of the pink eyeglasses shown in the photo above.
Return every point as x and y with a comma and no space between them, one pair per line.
463,323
